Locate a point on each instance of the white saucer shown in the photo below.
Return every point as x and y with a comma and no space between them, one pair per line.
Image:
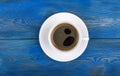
45,39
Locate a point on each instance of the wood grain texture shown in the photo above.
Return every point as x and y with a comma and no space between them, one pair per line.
23,18
21,55
25,58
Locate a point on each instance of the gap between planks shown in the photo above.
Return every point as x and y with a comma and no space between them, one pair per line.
38,38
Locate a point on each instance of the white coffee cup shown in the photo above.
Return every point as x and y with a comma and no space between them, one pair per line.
45,37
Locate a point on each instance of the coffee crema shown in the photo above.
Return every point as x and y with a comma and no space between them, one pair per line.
64,36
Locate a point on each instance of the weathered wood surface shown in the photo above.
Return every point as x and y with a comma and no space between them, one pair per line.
21,55
23,18
25,58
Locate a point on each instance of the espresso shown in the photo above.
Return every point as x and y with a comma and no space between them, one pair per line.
64,36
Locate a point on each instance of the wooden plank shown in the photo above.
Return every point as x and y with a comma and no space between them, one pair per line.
25,57
22,19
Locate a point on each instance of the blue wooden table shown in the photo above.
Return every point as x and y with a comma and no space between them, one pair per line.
21,55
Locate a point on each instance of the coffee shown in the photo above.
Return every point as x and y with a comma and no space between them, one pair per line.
64,36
